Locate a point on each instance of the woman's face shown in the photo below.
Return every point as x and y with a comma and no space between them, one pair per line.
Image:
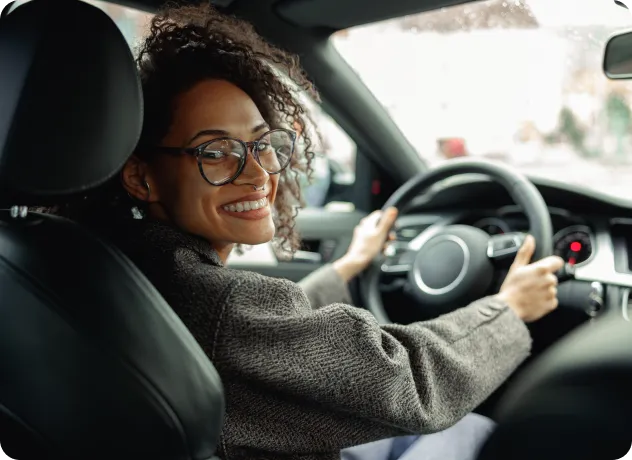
180,195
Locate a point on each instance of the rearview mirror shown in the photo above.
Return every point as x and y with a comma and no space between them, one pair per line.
617,62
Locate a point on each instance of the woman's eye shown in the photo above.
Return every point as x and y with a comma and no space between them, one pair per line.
213,154
263,146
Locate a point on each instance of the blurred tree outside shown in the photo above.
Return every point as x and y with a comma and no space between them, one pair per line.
572,130
619,119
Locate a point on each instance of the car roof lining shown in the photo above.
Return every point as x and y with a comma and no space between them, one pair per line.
323,14
337,14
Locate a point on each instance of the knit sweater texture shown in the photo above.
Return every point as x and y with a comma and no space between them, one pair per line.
305,373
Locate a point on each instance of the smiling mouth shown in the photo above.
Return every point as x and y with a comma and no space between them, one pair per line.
244,206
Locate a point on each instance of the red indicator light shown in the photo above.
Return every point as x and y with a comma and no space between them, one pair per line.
576,246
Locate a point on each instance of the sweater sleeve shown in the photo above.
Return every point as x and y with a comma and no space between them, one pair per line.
324,287
364,381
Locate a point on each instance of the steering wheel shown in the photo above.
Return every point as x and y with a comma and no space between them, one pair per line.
451,265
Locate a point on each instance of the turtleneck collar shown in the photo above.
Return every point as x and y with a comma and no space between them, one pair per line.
166,237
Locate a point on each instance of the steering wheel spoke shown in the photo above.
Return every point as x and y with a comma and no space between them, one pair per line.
398,259
504,247
395,269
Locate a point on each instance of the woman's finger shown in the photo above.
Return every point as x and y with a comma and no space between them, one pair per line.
388,219
523,257
373,218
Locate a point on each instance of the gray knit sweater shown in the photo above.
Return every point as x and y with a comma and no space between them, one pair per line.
306,377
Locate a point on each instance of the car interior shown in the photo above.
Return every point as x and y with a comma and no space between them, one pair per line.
93,362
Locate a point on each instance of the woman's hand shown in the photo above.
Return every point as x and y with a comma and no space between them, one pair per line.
368,241
531,289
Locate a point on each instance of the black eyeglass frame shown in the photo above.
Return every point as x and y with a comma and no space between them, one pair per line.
249,147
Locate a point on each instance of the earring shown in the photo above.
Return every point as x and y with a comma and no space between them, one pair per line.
136,212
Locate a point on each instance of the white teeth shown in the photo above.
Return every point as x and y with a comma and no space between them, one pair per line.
246,205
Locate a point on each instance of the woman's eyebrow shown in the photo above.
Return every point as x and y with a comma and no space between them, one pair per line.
209,132
221,132
260,127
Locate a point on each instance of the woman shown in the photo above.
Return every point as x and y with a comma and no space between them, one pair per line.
304,377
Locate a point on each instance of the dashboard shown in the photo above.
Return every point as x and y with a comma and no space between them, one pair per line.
592,232
573,236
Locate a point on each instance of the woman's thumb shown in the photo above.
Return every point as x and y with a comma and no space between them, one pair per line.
387,219
525,253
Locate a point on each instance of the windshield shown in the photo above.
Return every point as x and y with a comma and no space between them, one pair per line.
519,81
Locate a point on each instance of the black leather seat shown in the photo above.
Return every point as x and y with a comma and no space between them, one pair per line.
93,362
574,402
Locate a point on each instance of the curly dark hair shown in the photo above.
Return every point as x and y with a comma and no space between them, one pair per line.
188,44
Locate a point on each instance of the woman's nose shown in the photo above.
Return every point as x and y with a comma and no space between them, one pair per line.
252,168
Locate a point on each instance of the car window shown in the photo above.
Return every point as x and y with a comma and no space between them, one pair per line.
519,81
333,166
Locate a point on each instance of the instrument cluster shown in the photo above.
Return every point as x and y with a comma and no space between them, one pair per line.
573,243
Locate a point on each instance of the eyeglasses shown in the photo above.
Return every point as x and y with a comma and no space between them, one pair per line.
222,160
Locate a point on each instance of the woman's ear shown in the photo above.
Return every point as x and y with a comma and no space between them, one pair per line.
136,181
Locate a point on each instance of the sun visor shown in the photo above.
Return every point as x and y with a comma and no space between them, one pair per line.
71,103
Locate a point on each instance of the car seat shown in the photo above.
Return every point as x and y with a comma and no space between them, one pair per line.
93,362
573,402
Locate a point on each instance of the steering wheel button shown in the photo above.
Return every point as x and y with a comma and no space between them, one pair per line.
505,243
390,250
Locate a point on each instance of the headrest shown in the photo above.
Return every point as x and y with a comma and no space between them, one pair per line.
71,106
